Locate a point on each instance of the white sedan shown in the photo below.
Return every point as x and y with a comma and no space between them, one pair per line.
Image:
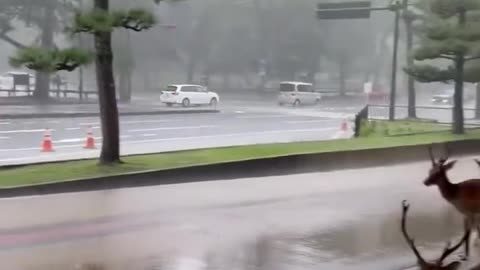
187,95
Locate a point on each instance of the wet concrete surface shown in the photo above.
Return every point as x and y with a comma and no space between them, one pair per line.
337,220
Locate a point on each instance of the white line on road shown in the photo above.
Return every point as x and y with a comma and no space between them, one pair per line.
90,124
3,138
144,121
262,116
5,123
24,131
311,121
78,128
234,134
169,128
149,135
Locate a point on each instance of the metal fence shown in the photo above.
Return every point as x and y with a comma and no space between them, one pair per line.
441,114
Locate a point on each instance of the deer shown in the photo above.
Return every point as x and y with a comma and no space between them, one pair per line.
421,262
463,196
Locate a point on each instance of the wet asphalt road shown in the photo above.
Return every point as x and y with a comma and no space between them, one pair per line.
236,124
336,220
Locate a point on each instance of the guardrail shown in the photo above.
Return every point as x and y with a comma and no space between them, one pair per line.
441,114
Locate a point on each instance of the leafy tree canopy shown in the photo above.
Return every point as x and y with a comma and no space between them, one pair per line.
45,60
100,21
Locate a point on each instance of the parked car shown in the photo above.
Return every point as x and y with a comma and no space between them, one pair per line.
188,94
297,93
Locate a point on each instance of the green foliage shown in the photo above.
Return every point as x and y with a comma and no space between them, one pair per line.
442,37
428,73
101,21
379,128
133,19
44,60
96,21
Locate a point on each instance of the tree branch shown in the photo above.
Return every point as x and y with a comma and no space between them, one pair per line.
446,57
472,58
11,41
66,66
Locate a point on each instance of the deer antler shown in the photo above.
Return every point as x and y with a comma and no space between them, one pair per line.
410,241
430,153
449,250
446,155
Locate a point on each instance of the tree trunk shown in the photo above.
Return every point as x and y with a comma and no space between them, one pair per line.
106,94
124,86
342,70
411,81
42,81
191,69
458,118
477,102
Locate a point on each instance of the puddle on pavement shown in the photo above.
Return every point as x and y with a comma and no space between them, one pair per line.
374,243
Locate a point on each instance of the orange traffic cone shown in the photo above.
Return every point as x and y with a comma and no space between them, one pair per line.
47,145
344,126
90,143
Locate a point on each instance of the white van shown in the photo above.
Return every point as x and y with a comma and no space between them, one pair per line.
297,93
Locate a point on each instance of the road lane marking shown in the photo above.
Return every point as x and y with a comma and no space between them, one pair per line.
78,128
90,124
5,123
169,128
310,121
25,131
149,135
4,138
261,116
144,121
234,134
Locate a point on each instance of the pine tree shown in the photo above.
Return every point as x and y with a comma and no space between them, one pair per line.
100,22
451,33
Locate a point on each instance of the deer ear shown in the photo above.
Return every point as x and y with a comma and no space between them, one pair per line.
477,161
453,266
449,165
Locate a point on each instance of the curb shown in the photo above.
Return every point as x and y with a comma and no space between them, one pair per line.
262,167
93,114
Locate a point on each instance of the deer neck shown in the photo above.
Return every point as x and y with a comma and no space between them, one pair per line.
447,189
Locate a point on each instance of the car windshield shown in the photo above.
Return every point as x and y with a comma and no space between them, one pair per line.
287,87
171,88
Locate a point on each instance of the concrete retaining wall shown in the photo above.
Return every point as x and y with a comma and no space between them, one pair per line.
286,165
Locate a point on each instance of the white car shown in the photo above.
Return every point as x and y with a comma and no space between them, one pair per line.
187,95
297,93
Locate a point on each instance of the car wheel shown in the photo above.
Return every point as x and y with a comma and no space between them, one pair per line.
296,103
213,102
186,102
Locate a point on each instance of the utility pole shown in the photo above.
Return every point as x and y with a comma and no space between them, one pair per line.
408,18
80,69
362,10
393,83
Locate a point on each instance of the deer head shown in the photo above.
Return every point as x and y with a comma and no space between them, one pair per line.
439,169
422,263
